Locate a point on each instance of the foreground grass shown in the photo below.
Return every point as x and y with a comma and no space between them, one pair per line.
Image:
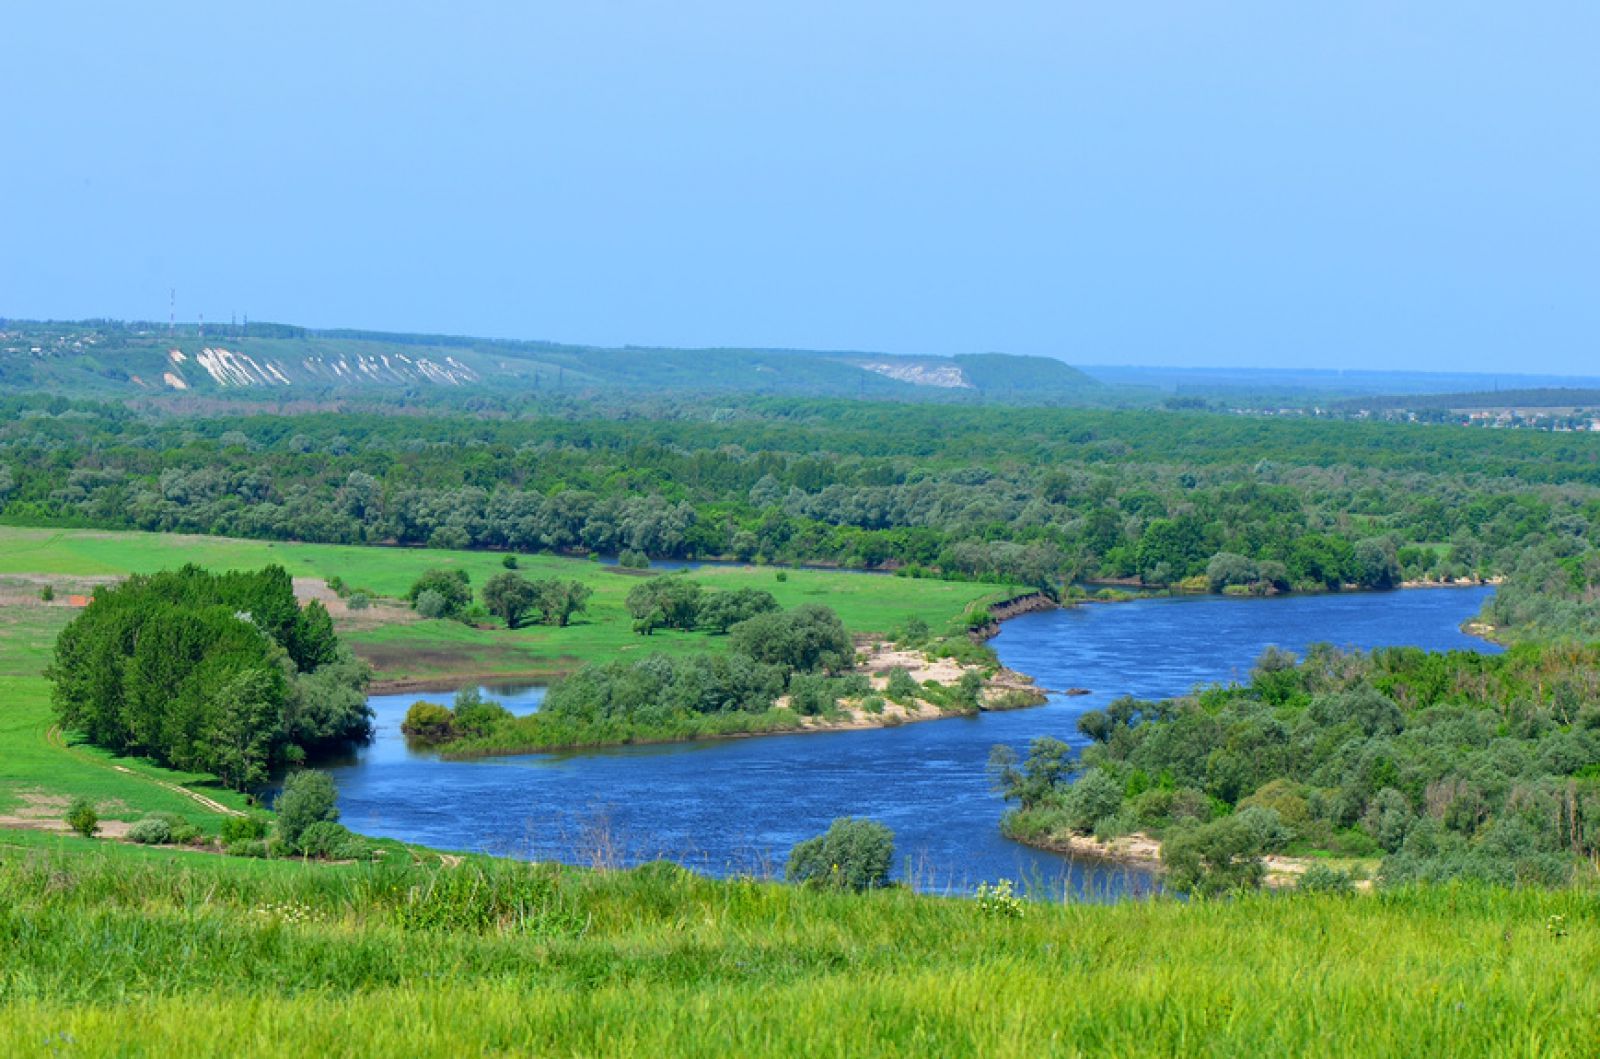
140,953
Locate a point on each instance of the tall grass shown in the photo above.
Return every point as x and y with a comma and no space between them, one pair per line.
195,955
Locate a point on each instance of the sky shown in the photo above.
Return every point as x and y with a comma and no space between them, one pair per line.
1355,185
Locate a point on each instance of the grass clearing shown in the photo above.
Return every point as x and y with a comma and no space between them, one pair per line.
136,952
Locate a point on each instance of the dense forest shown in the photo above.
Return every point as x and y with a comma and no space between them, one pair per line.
1042,496
1447,765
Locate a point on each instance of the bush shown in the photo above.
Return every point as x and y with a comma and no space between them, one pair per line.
82,818
150,832
851,855
182,832
47,593
902,688
237,829
431,604
246,847
1093,797
509,562
327,840
872,704
1216,858
1321,879
633,560
429,722
358,601
812,694
307,798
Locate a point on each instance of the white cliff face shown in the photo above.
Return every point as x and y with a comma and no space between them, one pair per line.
944,376
234,369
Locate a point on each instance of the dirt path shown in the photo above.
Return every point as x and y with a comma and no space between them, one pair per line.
56,738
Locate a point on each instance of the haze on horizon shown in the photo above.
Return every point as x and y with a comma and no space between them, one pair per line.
1369,186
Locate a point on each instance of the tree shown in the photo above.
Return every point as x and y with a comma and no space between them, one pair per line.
806,639
453,586
428,722
510,596
1376,563
670,602
720,611
559,600
851,855
1048,763
1216,858
307,798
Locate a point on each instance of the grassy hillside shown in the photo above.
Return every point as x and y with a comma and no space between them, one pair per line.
142,952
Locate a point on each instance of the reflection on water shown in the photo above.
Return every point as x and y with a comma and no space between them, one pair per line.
739,805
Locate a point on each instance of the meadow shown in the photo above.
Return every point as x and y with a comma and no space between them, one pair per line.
449,652
148,952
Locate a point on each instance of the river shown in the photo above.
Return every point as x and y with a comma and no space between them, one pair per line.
739,805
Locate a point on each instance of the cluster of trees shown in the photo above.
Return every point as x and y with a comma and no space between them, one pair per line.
802,653
1448,765
447,593
676,602
220,673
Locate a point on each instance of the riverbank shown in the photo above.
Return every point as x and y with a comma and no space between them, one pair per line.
1143,851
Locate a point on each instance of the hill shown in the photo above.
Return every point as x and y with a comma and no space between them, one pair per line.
110,358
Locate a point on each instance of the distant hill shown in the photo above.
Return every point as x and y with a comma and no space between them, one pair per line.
103,358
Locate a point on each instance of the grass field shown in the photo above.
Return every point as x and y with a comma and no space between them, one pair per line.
449,651
120,951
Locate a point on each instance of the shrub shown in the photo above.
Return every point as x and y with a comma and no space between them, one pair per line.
509,562
358,601
1215,858
429,722
327,840
812,694
1094,796
633,560
872,704
431,604
150,831
237,829
851,855
1321,879
82,818
902,688
246,847
307,798
182,831
47,593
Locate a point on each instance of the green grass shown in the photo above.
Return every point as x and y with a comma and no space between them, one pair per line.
39,765
161,953
445,650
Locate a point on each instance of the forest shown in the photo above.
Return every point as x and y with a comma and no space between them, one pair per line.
1446,765
1186,499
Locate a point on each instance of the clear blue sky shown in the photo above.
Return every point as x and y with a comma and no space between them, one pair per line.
1362,184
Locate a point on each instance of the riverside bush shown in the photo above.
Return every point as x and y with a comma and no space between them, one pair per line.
851,855
151,831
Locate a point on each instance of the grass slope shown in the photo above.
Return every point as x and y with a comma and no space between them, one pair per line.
135,952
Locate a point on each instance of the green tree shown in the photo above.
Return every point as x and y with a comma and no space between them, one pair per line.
510,596
308,797
82,818
806,639
559,600
453,586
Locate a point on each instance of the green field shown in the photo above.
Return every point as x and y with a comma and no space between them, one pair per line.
450,651
138,952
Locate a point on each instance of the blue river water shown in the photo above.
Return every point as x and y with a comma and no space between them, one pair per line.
739,805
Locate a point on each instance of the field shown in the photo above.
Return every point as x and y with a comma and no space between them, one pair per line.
448,652
136,952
